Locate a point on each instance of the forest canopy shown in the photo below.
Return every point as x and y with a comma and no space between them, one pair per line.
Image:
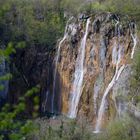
32,21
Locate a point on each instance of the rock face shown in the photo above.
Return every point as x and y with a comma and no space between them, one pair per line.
30,67
108,42
108,47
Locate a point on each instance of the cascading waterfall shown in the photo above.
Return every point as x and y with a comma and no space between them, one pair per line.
56,62
99,52
114,79
78,76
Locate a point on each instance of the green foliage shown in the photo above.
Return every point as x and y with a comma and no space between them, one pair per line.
124,128
31,22
14,126
32,91
8,76
20,45
72,6
6,52
122,7
42,22
137,67
135,80
63,130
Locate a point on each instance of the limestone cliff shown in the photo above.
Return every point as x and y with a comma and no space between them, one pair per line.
85,76
109,44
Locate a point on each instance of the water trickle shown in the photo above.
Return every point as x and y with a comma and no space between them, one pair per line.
56,62
116,45
134,37
97,87
114,54
103,50
46,100
78,76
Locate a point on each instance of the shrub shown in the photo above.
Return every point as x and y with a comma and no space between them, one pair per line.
13,124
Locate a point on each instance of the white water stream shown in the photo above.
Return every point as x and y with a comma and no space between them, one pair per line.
56,62
134,37
78,76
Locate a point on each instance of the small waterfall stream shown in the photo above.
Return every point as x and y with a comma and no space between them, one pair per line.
56,62
115,46
78,76
46,100
134,37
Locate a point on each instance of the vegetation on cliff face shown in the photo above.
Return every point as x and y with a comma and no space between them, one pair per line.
42,22
24,23
123,7
135,81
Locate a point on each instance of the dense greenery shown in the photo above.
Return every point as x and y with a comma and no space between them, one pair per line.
34,22
124,128
135,80
13,124
124,7
42,22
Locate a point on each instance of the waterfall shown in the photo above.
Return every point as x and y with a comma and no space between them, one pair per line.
56,62
134,37
104,54
78,76
118,71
